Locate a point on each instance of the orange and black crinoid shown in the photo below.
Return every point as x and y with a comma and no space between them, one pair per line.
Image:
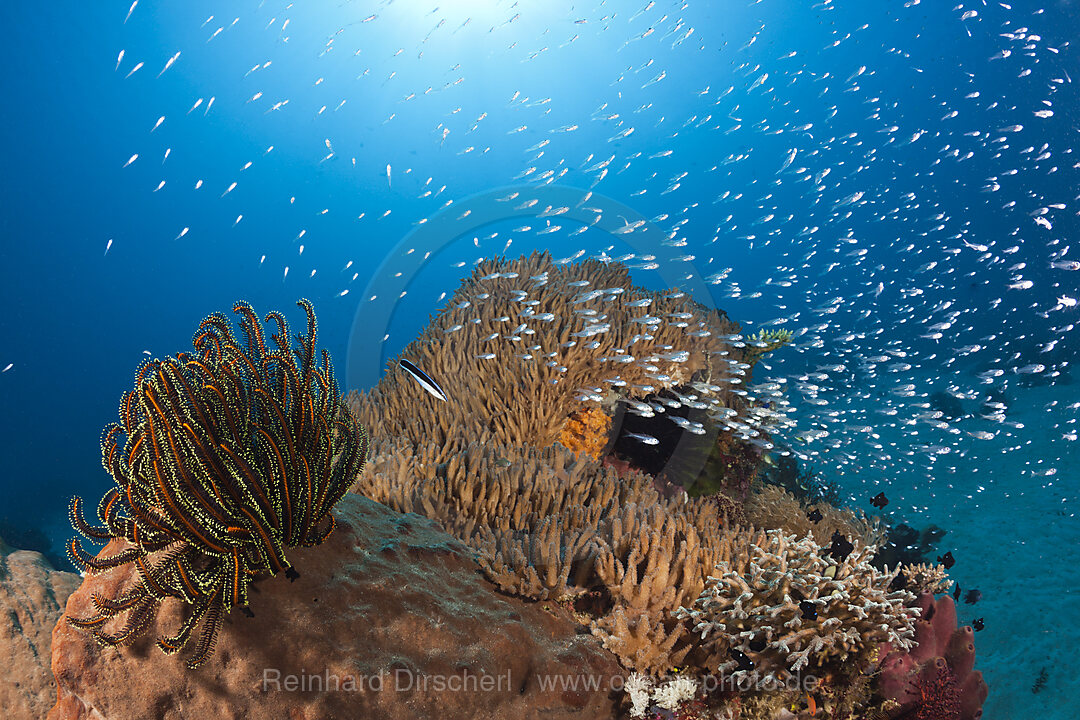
223,458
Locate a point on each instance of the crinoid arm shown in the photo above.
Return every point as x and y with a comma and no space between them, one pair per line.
222,460
139,619
90,564
88,531
211,625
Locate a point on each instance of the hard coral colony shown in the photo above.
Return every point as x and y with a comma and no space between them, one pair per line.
237,452
231,454
513,464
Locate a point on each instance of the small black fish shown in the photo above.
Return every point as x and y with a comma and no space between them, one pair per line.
423,378
745,663
841,547
947,560
972,597
978,624
814,516
809,611
757,644
956,592
879,500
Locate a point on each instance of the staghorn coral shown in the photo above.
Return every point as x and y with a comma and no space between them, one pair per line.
788,607
772,507
231,454
586,430
926,578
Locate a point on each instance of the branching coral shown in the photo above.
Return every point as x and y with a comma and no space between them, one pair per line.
547,524
926,578
802,481
666,698
787,606
730,467
231,454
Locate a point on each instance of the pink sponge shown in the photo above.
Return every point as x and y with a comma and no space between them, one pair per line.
939,671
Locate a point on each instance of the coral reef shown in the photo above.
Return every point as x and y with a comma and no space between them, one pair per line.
524,344
766,341
663,699
727,508
387,621
787,606
627,552
551,524
924,578
730,467
908,546
801,481
547,523
232,454
935,679
32,597
772,507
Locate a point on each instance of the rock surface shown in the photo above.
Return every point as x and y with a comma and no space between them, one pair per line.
388,603
32,596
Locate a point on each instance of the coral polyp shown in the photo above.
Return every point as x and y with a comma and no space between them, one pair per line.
223,458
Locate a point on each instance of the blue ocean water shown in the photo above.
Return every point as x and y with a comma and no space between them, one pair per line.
894,182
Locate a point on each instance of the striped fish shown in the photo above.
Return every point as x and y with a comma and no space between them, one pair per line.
423,378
